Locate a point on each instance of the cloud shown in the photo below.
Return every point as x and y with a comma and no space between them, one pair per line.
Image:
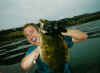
18,12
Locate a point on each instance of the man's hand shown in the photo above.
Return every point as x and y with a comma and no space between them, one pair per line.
77,35
36,54
29,60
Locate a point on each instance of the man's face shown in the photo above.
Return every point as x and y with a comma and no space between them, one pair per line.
32,35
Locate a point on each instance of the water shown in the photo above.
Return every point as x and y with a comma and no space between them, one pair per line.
85,56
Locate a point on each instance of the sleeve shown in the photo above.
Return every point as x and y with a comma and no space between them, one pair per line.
68,40
30,50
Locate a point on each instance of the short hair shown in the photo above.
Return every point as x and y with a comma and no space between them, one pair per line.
31,24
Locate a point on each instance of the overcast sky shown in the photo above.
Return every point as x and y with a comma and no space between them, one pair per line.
14,13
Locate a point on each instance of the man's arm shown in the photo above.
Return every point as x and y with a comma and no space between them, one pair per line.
77,35
28,60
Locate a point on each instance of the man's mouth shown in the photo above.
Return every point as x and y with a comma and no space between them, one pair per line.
35,40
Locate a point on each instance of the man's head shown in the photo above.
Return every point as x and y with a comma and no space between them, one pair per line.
31,33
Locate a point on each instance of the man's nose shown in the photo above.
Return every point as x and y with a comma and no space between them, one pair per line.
31,37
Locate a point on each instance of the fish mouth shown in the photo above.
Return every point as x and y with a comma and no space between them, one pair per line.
44,31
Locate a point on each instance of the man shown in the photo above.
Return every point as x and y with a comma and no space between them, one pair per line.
31,32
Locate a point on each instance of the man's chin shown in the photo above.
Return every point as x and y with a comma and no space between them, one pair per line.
36,44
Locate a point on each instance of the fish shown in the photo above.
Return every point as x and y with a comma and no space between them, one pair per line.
53,48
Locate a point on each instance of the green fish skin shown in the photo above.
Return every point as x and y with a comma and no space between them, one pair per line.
54,51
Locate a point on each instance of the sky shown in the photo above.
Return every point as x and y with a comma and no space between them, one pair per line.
15,13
